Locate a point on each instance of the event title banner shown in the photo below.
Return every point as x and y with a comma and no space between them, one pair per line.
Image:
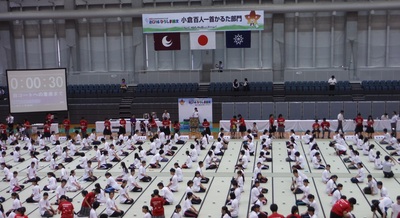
203,21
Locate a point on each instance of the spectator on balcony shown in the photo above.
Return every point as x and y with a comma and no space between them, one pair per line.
332,83
123,86
220,66
235,85
246,86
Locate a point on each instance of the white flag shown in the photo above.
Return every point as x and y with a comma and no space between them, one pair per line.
202,40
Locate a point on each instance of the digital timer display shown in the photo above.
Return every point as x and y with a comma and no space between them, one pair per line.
37,90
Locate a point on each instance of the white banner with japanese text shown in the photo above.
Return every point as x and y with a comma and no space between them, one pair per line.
203,21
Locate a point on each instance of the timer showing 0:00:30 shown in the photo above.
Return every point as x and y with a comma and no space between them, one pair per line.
37,82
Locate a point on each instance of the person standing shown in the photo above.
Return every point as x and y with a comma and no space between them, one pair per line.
340,119
242,125
157,203
10,122
332,83
107,128
206,126
281,126
393,123
359,123
246,86
67,125
84,124
220,66
122,126
133,124
166,115
28,128
235,85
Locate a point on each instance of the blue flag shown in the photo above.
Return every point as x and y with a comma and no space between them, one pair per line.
238,39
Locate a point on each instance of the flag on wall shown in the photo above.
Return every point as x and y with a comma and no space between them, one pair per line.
238,39
202,40
167,41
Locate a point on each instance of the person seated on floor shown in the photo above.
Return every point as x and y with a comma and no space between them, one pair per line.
372,188
386,137
297,183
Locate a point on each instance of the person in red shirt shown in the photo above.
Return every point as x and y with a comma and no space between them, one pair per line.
84,125
157,203
325,128
272,127
67,125
242,125
281,126
3,131
166,127
233,127
87,202
206,126
153,126
275,214
315,129
294,213
107,128
20,213
65,208
370,126
28,127
177,127
359,123
46,130
342,208
122,126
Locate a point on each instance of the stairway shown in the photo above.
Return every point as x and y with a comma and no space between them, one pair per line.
203,87
125,109
357,92
279,91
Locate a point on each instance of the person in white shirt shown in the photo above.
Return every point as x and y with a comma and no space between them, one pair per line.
393,123
146,211
112,185
383,191
142,173
297,183
387,167
306,191
197,186
332,83
45,209
359,178
188,161
255,210
60,191
340,119
234,206
123,194
73,184
133,185
336,194
178,172
331,185
35,196
326,174
166,193
93,213
173,183
381,206
31,173
52,182
396,207
111,207
195,199
189,210
386,137
372,188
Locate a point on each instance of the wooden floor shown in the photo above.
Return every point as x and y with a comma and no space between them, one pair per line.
279,175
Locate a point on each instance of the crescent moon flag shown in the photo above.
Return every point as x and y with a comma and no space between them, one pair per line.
167,41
